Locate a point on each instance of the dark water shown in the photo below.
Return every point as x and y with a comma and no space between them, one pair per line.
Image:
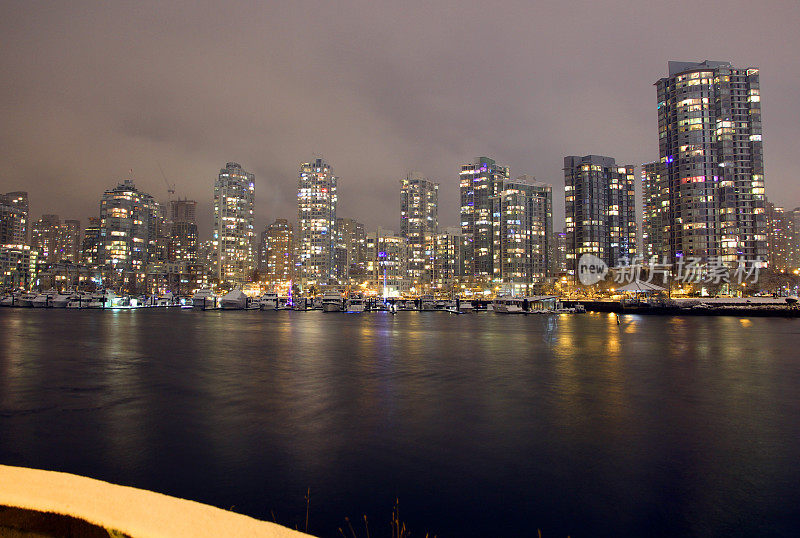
481,425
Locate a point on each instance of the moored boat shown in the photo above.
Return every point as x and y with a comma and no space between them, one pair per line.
234,300
25,300
44,299
427,303
104,299
269,301
332,301
204,298
355,303
61,300
509,304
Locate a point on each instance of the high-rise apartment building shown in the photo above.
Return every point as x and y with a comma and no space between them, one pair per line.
448,258
522,224
234,235
794,215
128,229
56,241
419,222
14,218
91,244
387,263
316,218
182,211
182,231
479,182
351,250
710,149
600,209
559,260
656,224
46,238
71,240
781,239
276,252
18,266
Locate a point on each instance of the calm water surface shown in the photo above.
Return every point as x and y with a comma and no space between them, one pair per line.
481,425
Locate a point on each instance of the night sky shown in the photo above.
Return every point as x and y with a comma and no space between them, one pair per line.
90,90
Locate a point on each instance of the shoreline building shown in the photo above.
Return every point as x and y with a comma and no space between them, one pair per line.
351,251
522,225
18,266
276,252
128,230
14,210
448,259
479,181
56,241
710,167
316,218
419,223
183,231
90,246
794,216
387,263
656,224
600,209
781,239
558,263
234,197
46,240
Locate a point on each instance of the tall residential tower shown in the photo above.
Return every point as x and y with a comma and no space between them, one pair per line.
711,164
316,219
419,222
234,193
600,209
480,180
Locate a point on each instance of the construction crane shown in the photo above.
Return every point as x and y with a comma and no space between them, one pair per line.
170,187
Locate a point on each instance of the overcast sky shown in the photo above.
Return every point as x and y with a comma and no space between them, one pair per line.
90,90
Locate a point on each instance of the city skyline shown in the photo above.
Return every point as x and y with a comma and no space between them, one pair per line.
78,123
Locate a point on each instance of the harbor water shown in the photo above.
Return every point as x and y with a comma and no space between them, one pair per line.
478,424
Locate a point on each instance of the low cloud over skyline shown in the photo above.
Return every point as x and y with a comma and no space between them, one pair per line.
93,89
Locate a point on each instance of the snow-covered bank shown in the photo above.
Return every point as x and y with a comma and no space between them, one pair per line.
135,512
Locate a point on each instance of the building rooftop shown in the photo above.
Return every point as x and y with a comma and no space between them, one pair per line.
676,67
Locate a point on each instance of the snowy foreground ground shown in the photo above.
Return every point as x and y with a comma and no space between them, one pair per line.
738,301
134,512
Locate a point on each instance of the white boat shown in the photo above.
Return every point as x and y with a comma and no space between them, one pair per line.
44,299
509,305
79,300
269,301
61,300
7,300
25,300
465,306
332,301
105,299
234,300
356,303
204,298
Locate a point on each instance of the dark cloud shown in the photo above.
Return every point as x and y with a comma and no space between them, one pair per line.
92,89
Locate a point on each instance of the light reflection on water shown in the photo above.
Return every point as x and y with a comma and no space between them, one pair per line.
481,424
